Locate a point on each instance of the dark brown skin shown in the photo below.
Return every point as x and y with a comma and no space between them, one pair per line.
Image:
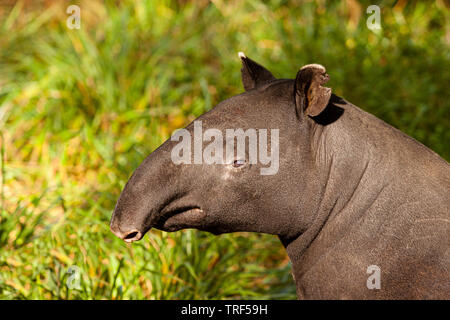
351,191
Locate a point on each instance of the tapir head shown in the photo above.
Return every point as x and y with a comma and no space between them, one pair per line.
239,167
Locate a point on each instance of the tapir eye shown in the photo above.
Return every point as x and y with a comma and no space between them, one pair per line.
238,163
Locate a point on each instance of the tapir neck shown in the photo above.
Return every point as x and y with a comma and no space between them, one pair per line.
347,163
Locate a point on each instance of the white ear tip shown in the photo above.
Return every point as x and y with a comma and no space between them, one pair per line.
241,55
314,65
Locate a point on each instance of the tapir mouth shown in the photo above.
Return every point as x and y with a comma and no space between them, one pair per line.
180,218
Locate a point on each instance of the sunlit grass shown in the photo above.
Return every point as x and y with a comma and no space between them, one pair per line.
80,109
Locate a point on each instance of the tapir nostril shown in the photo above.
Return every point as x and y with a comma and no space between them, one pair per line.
132,236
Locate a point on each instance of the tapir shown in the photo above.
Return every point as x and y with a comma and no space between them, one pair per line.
361,208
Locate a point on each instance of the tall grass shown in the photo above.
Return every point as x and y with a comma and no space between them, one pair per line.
80,109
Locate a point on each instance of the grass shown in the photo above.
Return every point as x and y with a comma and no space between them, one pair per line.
80,109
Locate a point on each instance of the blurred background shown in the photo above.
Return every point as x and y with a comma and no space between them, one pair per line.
81,108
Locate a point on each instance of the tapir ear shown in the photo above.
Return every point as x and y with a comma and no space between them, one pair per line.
253,74
310,97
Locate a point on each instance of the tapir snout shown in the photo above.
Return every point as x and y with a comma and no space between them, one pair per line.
126,233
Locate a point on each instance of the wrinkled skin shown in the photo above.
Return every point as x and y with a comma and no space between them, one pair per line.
351,191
